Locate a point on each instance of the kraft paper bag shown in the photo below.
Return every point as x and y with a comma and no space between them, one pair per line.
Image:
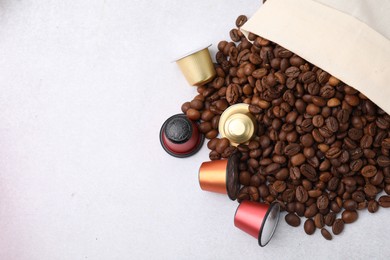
348,39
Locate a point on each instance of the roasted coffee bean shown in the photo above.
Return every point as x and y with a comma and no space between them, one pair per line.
308,171
370,190
383,161
212,143
330,218
232,93
272,168
368,171
279,186
309,227
245,178
358,196
350,204
292,149
372,206
214,155
298,159
332,124
319,220
256,180
325,233
311,211
292,72
349,216
221,145
288,195
338,226
193,114
207,115
322,202
215,121
241,20
292,219
384,201
211,134
301,194
185,107
356,165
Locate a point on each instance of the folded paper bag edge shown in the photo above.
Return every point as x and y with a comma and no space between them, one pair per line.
344,46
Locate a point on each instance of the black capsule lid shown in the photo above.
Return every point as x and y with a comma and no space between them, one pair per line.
232,175
178,129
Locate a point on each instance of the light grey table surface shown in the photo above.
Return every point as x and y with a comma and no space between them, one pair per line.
85,87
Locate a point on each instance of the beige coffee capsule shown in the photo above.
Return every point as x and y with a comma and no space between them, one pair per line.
197,66
237,124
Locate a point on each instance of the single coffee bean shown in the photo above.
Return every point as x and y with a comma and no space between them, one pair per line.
292,219
292,149
193,114
319,220
245,178
255,109
372,206
349,216
222,144
311,211
350,204
211,134
241,20
322,202
384,201
338,226
214,155
370,190
383,161
368,171
207,115
301,194
330,218
205,127
333,102
298,159
308,171
185,107
196,104
279,186
325,233
309,227
215,121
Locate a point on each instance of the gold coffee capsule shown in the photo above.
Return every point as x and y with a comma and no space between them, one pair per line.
237,124
197,66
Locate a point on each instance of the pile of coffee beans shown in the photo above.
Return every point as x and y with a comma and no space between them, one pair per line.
321,149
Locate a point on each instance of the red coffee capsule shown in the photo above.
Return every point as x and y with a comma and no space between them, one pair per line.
258,220
180,136
221,176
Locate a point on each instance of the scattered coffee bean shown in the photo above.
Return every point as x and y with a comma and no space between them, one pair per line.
349,216
325,233
384,201
338,226
293,220
309,226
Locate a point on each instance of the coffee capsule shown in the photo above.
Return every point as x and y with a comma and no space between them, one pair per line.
237,124
180,137
197,66
258,220
221,176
